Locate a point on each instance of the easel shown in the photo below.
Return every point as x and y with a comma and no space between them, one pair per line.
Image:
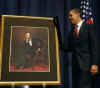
44,85
13,85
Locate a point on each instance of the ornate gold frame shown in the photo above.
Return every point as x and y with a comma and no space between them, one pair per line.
57,82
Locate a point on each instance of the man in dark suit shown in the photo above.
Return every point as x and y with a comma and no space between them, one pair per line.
31,48
26,54
82,44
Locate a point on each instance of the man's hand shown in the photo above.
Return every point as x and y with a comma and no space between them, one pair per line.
94,69
38,51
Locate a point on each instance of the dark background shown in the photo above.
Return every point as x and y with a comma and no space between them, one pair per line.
53,8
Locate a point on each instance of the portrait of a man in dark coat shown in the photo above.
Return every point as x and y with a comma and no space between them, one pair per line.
29,54
30,48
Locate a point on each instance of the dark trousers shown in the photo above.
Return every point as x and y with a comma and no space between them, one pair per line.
81,78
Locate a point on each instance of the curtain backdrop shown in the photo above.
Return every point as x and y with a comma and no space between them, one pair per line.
52,8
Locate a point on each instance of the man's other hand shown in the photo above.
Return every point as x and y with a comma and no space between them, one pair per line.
94,69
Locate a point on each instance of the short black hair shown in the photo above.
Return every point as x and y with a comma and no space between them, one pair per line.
77,10
27,32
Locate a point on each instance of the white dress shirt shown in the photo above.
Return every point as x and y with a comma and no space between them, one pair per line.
29,41
79,25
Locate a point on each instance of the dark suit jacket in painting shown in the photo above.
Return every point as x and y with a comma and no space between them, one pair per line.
24,54
84,47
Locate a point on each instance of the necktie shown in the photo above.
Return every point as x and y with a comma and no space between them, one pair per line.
76,32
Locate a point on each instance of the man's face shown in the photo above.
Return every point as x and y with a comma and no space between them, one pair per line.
73,17
27,35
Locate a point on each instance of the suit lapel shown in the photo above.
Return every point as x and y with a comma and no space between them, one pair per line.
81,29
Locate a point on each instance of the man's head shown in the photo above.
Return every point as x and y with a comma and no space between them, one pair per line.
27,35
75,15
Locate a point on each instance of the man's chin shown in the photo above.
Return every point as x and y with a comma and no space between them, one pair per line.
72,22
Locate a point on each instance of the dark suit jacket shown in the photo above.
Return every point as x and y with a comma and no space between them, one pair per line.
84,48
36,43
24,53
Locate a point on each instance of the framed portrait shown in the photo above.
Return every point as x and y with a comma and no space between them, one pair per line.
29,51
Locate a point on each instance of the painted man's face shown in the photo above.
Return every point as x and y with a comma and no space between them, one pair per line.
27,35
